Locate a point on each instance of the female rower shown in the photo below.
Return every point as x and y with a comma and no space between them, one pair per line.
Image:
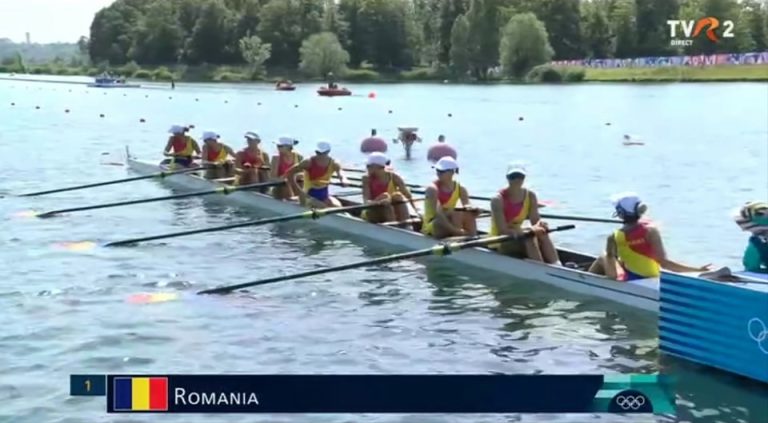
251,161
216,156
635,251
181,147
440,199
318,171
285,159
510,209
384,187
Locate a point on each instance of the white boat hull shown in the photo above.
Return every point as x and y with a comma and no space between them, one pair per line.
642,294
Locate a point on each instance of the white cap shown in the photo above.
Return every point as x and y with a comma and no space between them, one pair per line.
207,135
377,159
323,147
252,136
177,129
286,141
628,202
515,167
446,163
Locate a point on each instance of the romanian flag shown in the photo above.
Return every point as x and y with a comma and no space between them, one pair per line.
141,394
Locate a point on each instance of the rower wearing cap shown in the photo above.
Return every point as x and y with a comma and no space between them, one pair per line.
318,171
180,146
216,156
635,251
283,161
385,187
510,208
251,161
753,218
440,218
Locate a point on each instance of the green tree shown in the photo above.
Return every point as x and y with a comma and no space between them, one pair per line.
625,28
322,53
285,23
524,44
460,48
755,15
255,53
484,19
562,18
652,32
597,33
211,37
382,33
158,38
450,10
333,21
112,31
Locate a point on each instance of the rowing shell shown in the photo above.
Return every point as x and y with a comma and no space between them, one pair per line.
642,294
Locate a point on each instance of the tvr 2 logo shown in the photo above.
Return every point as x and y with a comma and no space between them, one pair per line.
692,29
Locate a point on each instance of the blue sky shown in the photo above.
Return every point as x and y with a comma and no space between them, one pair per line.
48,21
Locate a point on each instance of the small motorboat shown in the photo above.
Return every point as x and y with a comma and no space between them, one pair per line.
333,92
285,86
105,80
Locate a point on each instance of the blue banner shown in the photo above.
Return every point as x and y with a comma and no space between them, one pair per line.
390,394
755,58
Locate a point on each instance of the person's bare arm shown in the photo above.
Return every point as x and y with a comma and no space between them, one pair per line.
229,150
168,146
239,163
196,147
497,214
403,189
611,261
366,189
273,168
340,175
534,217
654,237
290,177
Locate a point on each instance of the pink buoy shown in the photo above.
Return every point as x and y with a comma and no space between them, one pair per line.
373,144
439,150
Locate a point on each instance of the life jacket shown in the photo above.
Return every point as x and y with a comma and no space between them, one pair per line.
514,213
378,187
182,146
318,176
756,255
283,166
217,156
446,200
636,253
249,158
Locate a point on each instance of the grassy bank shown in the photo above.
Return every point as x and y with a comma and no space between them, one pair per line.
718,73
544,73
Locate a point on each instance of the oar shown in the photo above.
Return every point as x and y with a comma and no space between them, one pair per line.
437,250
116,181
553,216
415,189
310,214
222,190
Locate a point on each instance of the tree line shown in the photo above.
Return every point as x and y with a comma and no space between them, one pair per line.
464,37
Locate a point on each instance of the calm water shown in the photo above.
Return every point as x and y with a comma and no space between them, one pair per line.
63,312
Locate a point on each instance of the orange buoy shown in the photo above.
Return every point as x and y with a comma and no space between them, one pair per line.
373,144
440,150
371,94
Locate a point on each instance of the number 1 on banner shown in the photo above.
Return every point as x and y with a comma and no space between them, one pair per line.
87,385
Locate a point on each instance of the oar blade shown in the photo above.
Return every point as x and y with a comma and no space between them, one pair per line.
153,298
76,246
26,214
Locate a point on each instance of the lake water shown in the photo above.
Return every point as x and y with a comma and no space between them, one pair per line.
64,312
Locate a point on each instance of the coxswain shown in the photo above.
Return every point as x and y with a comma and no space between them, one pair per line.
510,208
440,200
385,187
216,156
181,148
318,171
251,162
283,161
635,251
753,218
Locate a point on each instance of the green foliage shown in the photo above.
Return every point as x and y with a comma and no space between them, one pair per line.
460,47
423,74
484,18
162,74
255,53
142,74
361,75
545,73
573,74
285,24
322,53
230,77
524,45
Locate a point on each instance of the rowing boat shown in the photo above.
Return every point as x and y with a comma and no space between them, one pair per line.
722,325
643,294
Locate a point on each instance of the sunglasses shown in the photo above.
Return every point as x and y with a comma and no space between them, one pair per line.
514,176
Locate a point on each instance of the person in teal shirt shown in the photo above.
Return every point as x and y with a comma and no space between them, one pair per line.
753,218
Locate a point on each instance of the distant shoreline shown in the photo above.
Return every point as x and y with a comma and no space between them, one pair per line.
668,74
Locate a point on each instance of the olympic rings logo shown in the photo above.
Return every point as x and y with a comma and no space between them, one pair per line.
630,402
758,332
